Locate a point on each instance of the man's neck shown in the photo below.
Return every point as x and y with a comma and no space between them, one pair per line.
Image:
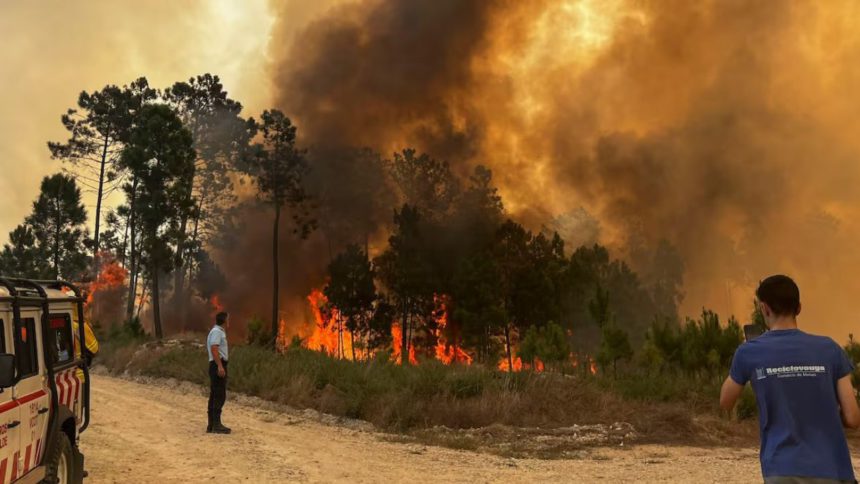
782,324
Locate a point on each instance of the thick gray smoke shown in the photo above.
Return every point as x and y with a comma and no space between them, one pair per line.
724,127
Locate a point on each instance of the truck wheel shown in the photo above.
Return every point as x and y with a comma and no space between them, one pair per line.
60,462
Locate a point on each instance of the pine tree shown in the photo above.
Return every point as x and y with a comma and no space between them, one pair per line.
278,167
160,156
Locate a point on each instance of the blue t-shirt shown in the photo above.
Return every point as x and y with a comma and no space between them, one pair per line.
794,377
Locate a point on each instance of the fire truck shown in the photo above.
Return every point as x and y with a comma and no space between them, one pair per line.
44,382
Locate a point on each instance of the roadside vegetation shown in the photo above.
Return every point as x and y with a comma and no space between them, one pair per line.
415,399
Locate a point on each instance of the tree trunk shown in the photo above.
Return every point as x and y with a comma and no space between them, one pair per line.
155,268
352,343
179,294
132,253
404,338
57,224
340,349
178,298
156,297
99,195
143,296
508,348
195,235
275,279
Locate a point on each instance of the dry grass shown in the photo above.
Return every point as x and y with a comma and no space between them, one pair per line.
446,404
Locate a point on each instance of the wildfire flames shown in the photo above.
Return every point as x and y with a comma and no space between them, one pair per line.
518,364
216,304
445,352
111,277
396,335
328,334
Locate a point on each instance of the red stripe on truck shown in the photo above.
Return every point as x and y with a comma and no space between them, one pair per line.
22,400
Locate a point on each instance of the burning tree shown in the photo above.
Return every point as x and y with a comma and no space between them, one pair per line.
278,168
352,291
405,271
220,138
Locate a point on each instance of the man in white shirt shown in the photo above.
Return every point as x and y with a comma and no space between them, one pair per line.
216,347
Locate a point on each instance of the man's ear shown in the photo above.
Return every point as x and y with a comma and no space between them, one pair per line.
765,310
799,307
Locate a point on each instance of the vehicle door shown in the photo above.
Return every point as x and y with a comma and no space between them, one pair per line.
31,391
60,345
10,415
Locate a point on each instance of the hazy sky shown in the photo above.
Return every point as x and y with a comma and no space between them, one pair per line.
727,127
56,49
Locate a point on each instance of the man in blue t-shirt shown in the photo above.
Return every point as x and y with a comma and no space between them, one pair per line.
802,384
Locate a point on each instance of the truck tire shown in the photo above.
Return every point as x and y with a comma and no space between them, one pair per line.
60,463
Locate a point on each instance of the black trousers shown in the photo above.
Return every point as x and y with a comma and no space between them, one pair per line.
217,392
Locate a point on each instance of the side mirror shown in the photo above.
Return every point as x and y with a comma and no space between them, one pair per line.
7,370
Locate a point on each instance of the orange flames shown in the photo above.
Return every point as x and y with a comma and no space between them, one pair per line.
112,276
216,304
325,336
445,352
281,342
518,363
396,350
329,335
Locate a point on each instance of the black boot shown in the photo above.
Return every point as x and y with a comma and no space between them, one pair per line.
209,425
219,428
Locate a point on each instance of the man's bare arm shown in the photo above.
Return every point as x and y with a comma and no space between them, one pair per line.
216,356
730,393
848,402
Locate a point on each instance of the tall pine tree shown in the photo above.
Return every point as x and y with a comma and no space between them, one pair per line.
160,156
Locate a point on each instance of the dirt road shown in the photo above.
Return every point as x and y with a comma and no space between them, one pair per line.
154,432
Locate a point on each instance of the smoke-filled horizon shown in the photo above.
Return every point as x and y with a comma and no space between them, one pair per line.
723,127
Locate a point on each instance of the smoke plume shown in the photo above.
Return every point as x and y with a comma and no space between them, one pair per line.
724,127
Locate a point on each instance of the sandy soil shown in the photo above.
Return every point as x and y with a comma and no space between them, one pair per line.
155,432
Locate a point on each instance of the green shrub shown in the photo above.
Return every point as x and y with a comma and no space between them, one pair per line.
547,343
259,333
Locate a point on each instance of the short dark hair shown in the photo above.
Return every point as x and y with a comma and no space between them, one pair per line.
221,318
781,294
